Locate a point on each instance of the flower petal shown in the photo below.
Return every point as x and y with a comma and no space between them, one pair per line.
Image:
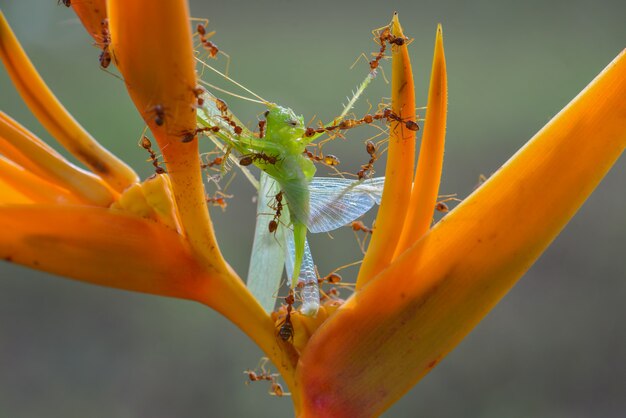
100,247
391,333
91,14
55,118
399,171
28,184
430,162
9,194
51,166
159,70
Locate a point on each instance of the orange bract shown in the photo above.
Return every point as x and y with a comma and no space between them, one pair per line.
419,308
399,172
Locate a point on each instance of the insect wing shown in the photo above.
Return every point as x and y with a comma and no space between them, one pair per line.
308,278
297,194
268,254
335,202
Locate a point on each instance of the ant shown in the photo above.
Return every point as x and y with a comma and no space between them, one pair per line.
263,375
360,226
248,159
219,199
332,278
147,145
262,124
441,205
390,115
285,331
159,114
371,150
277,390
273,225
204,39
105,55
328,159
189,136
212,163
66,3
198,92
384,37
223,108
346,124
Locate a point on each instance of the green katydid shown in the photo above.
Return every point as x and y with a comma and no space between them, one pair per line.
280,153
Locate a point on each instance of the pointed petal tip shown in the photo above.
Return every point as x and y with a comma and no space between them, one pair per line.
396,28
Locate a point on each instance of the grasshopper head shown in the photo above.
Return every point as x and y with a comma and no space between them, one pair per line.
283,126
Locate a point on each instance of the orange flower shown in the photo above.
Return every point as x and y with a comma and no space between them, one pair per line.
420,290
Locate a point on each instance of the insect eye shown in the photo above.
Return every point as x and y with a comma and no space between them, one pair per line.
293,123
267,112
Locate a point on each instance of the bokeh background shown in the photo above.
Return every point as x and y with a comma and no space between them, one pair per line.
554,347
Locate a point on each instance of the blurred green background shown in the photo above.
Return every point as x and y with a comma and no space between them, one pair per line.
554,347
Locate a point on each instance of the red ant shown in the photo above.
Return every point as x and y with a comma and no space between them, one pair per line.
198,91
204,39
263,375
332,278
328,159
219,200
262,124
385,37
346,124
360,226
390,115
248,159
189,136
371,150
159,114
105,55
212,163
285,331
223,108
273,225
277,390
147,145
441,205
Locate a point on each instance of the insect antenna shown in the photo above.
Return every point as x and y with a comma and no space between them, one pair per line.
227,78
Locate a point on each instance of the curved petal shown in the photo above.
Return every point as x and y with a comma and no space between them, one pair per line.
9,194
373,350
159,70
51,166
430,162
399,171
55,118
100,247
92,14
28,184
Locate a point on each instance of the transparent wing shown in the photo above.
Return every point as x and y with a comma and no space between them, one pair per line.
335,202
268,250
297,194
308,278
